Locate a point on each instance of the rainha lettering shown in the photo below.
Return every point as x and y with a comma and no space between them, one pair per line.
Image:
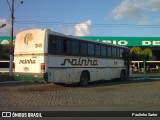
30,61
81,62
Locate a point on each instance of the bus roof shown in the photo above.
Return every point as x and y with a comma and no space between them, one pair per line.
49,31
75,37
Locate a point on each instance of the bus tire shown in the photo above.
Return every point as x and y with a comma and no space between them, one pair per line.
84,78
123,75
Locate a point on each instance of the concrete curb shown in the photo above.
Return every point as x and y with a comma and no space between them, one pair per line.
11,82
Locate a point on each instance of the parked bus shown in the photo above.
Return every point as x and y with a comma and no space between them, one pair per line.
41,54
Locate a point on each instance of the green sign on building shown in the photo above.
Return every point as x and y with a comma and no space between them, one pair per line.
127,41
5,39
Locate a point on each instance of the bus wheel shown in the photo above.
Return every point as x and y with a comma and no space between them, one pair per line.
84,78
123,75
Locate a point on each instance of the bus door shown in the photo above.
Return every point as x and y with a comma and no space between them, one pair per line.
126,58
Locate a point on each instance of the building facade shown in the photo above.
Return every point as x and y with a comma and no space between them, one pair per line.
152,43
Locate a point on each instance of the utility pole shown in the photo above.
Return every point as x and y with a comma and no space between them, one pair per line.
11,39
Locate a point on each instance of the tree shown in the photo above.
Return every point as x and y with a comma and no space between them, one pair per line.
136,50
135,53
138,54
148,52
4,52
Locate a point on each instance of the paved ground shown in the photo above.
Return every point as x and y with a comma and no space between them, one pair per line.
111,95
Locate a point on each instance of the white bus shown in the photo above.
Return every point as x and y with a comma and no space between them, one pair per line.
41,54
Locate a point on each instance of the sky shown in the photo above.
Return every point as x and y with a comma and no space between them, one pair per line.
126,18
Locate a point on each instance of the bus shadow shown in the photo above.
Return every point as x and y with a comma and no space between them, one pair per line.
17,83
117,82
103,83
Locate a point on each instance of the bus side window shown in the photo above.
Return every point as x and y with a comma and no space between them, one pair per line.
59,45
109,51
65,46
90,49
103,51
118,53
74,47
52,45
98,50
68,47
121,53
83,48
114,52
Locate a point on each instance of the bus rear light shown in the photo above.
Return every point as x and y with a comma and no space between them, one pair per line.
13,66
43,67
